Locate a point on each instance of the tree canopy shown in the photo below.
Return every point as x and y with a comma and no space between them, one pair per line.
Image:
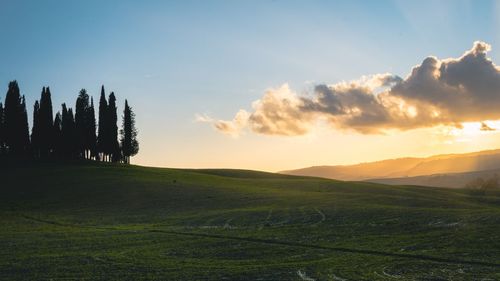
128,132
15,122
69,135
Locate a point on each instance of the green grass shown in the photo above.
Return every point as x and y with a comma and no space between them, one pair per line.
100,222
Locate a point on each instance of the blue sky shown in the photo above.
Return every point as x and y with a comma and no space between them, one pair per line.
175,59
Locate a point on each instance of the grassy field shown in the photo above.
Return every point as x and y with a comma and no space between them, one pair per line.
111,222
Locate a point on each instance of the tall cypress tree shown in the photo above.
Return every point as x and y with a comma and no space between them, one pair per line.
72,143
24,128
65,131
12,120
101,137
91,130
58,141
46,123
16,121
82,123
68,138
129,143
35,131
113,148
2,130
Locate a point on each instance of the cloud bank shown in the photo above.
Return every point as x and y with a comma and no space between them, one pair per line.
436,92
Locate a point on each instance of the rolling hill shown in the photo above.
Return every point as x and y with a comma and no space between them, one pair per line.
450,180
94,221
407,167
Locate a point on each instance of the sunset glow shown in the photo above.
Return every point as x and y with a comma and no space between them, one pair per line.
304,85
250,140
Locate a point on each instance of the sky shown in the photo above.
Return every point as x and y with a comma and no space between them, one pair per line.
314,82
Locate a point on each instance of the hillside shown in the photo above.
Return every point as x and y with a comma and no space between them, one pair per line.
407,167
96,221
450,180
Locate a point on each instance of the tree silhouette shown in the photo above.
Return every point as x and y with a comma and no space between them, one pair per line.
2,130
24,128
46,123
85,125
16,122
113,148
91,128
58,140
68,133
35,131
80,109
128,140
12,107
66,136
101,137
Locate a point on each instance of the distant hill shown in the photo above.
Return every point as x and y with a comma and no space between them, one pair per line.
407,167
451,180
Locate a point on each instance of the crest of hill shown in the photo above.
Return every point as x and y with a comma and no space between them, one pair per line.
448,180
407,167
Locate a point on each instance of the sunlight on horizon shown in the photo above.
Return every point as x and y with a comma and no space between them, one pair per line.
190,76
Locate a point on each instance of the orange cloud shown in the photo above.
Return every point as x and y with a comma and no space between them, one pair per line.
436,92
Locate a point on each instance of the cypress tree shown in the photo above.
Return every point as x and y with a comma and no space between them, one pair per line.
35,131
2,130
12,121
58,145
24,128
113,148
65,131
72,142
129,143
46,123
68,139
101,137
91,130
82,123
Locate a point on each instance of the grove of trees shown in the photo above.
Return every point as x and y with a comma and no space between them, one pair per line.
67,135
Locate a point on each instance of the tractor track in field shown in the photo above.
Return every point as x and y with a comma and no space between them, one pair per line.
278,242
322,215
266,221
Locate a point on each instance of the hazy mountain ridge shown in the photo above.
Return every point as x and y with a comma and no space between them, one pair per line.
458,164
450,180
407,167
